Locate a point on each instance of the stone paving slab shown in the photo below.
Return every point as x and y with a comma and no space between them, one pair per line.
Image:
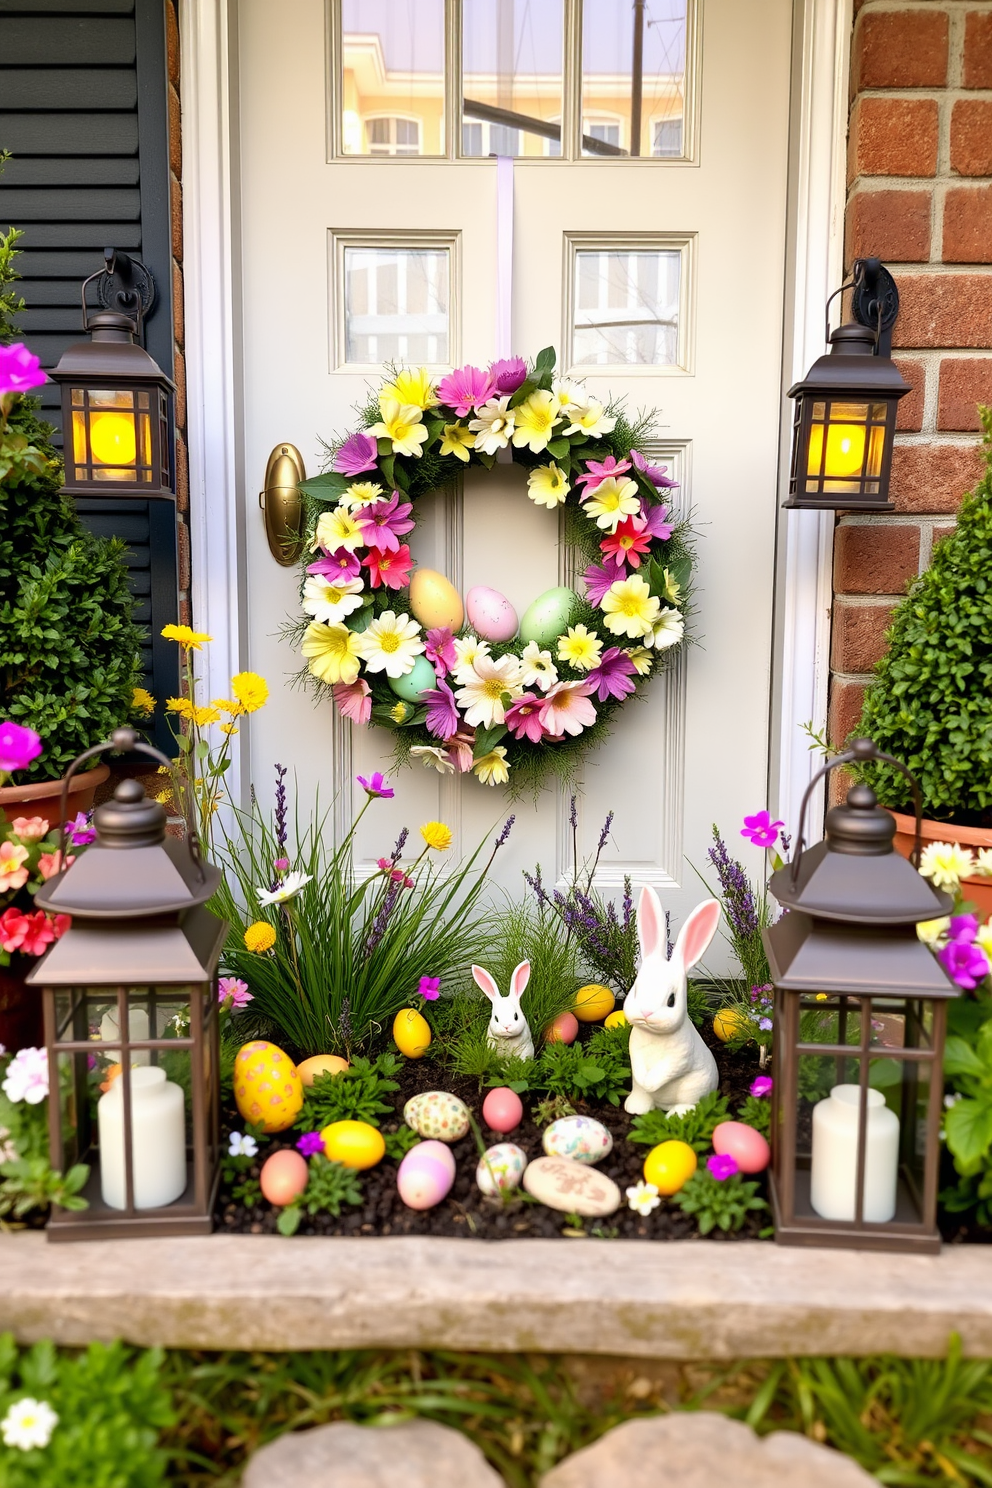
411,1454
680,1300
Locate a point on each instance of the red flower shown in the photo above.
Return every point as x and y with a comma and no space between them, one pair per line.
626,545
391,569
13,929
39,932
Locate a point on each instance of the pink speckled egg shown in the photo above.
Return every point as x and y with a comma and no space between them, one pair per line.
490,614
745,1145
425,1175
283,1177
502,1110
564,1030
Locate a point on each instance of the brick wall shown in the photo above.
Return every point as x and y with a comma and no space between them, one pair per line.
919,198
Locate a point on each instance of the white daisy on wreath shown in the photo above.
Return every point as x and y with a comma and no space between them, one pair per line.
391,644
493,426
537,669
331,601
468,650
482,697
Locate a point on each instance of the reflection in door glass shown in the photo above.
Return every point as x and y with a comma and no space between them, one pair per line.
396,305
633,77
626,308
511,77
392,87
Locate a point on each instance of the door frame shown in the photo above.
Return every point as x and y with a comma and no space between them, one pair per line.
219,487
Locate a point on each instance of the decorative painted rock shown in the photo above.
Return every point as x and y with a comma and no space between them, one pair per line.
355,1144
564,1030
669,1165
616,1020
730,1023
502,1109
420,679
283,1177
501,1169
435,601
548,616
578,1137
436,1114
412,1033
571,1187
593,1003
320,1064
490,614
748,1147
425,1175
268,1090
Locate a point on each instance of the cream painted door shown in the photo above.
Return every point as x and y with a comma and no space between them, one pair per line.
666,270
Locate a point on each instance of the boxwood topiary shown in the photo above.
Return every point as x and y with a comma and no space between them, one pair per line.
931,703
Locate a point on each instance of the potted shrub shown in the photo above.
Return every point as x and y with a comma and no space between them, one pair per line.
931,703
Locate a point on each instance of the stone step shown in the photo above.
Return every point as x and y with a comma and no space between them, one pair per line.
410,1454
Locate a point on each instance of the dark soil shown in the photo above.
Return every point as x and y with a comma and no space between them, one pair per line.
466,1211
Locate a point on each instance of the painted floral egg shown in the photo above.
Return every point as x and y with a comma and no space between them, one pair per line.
616,1020
412,1033
593,1003
267,1086
425,1175
669,1165
438,1115
545,619
500,1169
283,1177
748,1147
320,1064
420,679
435,601
578,1137
354,1144
564,1029
490,614
502,1109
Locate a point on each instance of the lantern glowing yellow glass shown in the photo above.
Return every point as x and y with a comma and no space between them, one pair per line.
112,438
845,451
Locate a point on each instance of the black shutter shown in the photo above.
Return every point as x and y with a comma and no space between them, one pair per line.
84,113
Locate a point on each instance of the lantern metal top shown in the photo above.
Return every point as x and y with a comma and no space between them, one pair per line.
111,354
851,368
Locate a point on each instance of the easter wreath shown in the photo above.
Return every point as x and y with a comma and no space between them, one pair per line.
483,696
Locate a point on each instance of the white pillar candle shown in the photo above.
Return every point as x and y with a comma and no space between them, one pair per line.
833,1177
158,1140
138,1028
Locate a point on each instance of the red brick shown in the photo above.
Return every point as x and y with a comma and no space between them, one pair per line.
939,533
971,137
179,375
963,385
933,477
968,225
909,415
185,611
876,559
900,49
893,137
858,638
944,310
182,475
844,712
175,134
178,306
839,782
176,205
977,71
184,561
172,42
893,225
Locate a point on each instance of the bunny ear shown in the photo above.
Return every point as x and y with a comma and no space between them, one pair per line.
697,932
520,978
485,981
652,928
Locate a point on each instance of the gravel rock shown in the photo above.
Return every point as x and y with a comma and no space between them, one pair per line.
412,1454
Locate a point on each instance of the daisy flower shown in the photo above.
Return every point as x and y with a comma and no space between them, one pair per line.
626,544
589,417
354,700
468,651
535,421
492,768
580,648
391,644
337,529
341,564
331,602
29,1423
547,486
361,493
433,758
481,696
385,523
642,659
667,630
599,470
403,425
437,835
567,709
643,1198
411,386
630,608
465,389
493,425
332,652
598,581
190,640
537,668
611,501
286,889
457,440
945,864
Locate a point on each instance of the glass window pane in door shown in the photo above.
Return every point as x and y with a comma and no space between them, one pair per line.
625,308
511,76
633,71
392,83
396,305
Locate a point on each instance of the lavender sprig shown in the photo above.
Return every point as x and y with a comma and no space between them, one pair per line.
282,831
738,895
382,918
507,828
628,902
397,851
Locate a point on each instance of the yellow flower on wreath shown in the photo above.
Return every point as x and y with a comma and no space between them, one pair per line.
547,485
190,640
630,608
437,835
331,652
251,690
260,937
142,701
402,424
535,421
580,647
457,440
411,385
492,768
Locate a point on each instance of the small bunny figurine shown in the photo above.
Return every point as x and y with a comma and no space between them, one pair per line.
672,1067
509,1032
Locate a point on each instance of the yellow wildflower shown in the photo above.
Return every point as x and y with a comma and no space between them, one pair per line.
535,420
411,385
251,691
182,706
580,647
142,701
547,485
199,716
437,835
492,768
260,937
630,608
456,440
228,705
190,640
164,797
228,728
402,424
642,659
361,493
331,652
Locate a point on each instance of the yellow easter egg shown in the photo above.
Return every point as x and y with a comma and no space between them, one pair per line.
355,1144
616,1020
435,601
669,1165
593,1003
320,1064
412,1033
268,1090
730,1023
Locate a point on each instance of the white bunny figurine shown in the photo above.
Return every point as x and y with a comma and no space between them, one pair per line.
672,1067
509,1031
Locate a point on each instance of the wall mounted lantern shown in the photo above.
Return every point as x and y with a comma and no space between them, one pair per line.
845,417
116,400
130,1006
860,1023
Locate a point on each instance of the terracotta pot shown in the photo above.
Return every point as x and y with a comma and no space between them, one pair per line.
42,797
978,890
20,1007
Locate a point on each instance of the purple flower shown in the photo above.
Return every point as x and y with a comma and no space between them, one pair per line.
508,373
465,389
19,373
765,1024
81,830
18,746
598,470
383,917
337,565
722,1166
963,927
385,523
737,893
612,677
358,454
507,828
281,864
429,988
440,650
656,521
761,830
237,990
310,1144
653,473
598,581
965,964
282,829
442,714
761,1085
377,786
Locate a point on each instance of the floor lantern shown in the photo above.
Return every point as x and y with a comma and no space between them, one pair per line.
130,1007
860,1023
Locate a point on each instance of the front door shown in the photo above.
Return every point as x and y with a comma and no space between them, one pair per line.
648,141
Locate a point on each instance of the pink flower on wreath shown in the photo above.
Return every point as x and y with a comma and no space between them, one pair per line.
612,677
653,473
358,454
598,470
508,374
337,565
29,828
598,581
18,746
391,569
656,520
237,990
523,718
442,712
385,523
13,874
460,749
567,709
354,700
51,863
626,545
440,650
19,370
465,389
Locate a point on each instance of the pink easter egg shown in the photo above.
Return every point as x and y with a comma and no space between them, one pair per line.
283,1177
564,1030
425,1175
490,614
746,1146
502,1110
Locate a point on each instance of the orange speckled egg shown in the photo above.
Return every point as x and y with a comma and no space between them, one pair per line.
564,1029
320,1064
283,1177
268,1090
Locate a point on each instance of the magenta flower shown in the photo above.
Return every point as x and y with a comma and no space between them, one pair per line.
391,569
656,522
626,545
722,1167
357,455
81,830
397,875
385,523
377,787
523,718
337,565
354,700
761,1085
237,990
442,713
18,746
440,650
310,1144
465,389
281,865
598,470
653,473
963,927
612,678
965,964
598,581
19,370
508,373
761,830
429,988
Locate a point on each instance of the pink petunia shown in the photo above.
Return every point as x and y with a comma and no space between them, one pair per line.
613,676
13,874
19,370
390,569
51,863
442,714
653,473
81,829
598,470
460,749
626,545
337,565
384,523
722,1166
508,373
440,650
429,988
354,700
465,389
13,928
358,454
598,581
760,829
29,828
656,521
38,933
18,746
523,718
567,710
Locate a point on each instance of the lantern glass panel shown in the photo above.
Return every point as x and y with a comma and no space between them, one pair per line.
112,435
845,447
